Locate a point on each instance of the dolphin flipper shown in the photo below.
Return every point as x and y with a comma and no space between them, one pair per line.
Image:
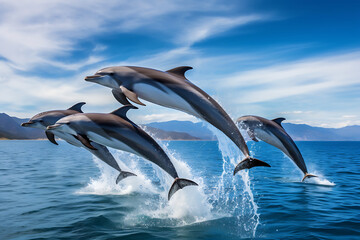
120,96
180,183
252,136
248,163
131,95
85,141
51,137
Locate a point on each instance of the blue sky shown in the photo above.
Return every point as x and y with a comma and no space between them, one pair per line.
296,59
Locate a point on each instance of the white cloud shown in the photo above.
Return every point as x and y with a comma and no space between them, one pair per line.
211,26
36,33
308,76
296,112
349,116
39,33
33,32
163,59
164,117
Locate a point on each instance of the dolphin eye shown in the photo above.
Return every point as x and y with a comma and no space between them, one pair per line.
111,74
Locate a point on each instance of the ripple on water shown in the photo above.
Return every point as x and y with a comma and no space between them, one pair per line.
48,191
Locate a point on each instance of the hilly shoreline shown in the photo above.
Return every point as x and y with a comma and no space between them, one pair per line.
185,130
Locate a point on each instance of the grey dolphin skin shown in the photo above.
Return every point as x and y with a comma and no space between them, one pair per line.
45,119
117,131
271,132
171,89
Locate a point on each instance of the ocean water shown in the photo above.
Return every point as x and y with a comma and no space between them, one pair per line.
61,192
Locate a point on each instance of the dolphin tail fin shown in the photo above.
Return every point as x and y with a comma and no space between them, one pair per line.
307,175
180,183
248,163
124,175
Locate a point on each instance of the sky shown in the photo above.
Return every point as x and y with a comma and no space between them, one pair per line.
294,59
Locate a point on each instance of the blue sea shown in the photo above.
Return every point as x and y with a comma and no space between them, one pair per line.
62,192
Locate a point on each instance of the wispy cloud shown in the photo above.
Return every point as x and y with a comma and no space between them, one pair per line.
211,26
38,30
39,37
163,117
349,116
296,112
304,77
45,35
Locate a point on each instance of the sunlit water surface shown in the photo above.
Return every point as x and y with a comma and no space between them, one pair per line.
49,191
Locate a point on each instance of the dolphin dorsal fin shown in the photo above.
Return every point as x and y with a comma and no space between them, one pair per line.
278,121
179,71
121,112
77,107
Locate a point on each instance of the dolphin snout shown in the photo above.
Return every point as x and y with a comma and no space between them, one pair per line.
26,124
90,78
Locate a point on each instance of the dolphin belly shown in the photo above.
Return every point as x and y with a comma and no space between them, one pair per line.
167,98
101,152
111,142
68,138
271,139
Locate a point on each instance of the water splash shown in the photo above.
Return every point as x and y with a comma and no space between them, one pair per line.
236,191
150,189
319,180
105,183
231,197
296,175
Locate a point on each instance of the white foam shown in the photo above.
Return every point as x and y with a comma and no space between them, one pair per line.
105,184
319,180
187,206
236,191
231,197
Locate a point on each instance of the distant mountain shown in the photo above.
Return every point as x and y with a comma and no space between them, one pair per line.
185,130
20,120
169,135
10,128
303,132
299,132
198,129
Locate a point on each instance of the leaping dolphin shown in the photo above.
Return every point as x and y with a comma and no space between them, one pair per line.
117,131
271,132
45,119
171,89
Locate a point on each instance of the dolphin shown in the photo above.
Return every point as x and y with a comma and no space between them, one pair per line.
171,89
45,119
117,131
271,132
